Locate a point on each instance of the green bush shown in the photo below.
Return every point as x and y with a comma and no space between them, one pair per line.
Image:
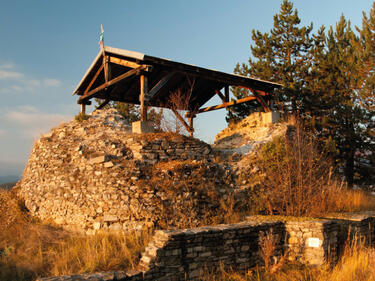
81,117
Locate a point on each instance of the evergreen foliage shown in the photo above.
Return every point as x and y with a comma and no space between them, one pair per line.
282,56
328,81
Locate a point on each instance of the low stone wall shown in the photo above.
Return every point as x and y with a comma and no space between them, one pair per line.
190,253
312,242
356,228
162,149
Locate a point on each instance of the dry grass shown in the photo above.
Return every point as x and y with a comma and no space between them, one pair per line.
29,249
357,264
298,180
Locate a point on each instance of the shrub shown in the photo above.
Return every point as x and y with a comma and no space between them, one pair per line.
298,179
81,117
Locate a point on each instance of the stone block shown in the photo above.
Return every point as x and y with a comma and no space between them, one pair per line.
140,127
270,117
96,225
98,159
108,164
110,218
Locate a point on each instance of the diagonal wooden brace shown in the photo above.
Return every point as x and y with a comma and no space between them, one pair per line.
179,117
221,95
122,77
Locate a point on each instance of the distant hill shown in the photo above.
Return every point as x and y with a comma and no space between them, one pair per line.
8,185
8,179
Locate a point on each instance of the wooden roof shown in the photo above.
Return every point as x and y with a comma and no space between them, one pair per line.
121,81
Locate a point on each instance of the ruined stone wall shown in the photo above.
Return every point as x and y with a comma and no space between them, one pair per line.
355,227
191,253
96,174
312,242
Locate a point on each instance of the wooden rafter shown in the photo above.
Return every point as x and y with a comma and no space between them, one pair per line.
122,77
93,79
122,62
133,86
220,95
158,86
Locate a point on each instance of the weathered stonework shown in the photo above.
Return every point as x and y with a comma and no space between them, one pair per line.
190,253
355,227
312,242
96,174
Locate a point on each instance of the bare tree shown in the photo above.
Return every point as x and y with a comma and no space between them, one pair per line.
174,119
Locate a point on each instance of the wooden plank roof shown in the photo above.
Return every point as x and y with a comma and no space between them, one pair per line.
164,78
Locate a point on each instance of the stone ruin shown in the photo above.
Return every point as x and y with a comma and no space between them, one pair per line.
190,254
96,174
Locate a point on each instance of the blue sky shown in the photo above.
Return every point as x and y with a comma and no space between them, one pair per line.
46,46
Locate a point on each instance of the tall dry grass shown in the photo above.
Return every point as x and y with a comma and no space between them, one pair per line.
357,264
298,180
29,249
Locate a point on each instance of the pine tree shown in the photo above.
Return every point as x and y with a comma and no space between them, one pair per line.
336,98
367,69
282,56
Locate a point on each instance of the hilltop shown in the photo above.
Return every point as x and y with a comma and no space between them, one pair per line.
96,174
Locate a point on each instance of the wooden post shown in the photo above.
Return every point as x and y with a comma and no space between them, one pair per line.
226,93
191,124
83,108
142,96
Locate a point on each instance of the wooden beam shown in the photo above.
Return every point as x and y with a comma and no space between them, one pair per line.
230,79
260,92
179,117
142,95
83,108
226,104
220,95
226,93
106,68
103,104
191,124
122,62
158,86
261,100
119,78
133,86
93,79
109,69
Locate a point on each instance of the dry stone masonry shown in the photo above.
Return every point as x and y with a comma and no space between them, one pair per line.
96,174
189,254
312,242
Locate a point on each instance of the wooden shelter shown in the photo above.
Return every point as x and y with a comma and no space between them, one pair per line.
136,78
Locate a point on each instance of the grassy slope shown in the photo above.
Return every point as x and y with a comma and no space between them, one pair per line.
29,249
